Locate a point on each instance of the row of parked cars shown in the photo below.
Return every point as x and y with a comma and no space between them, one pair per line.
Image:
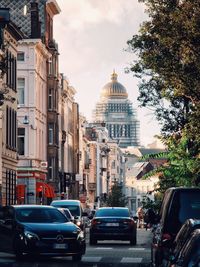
59,229
176,230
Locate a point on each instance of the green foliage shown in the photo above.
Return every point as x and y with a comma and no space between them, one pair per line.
168,52
168,62
147,203
116,198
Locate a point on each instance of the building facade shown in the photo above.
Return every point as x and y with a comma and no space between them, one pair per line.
10,35
35,19
32,121
68,141
116,111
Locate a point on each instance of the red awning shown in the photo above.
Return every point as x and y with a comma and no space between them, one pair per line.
47,189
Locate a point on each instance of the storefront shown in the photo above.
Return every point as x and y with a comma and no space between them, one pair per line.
32,188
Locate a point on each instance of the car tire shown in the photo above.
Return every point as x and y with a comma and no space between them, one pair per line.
77,257
93,241
133,241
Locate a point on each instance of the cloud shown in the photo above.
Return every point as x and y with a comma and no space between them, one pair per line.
82,13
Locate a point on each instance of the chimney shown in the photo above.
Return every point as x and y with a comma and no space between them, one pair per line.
35,23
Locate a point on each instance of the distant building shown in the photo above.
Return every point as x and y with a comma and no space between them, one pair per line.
116,111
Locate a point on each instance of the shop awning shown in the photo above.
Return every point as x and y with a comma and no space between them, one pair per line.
47,189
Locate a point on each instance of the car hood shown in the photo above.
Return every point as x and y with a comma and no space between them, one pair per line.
50,228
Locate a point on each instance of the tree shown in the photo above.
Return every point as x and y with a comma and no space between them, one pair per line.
116,198
168,64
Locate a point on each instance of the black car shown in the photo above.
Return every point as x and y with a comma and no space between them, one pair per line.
182,238
189,255
178,205
36,229
113,224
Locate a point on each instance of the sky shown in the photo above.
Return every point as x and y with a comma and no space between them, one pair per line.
92,36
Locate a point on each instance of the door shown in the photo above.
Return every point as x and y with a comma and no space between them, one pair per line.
6,229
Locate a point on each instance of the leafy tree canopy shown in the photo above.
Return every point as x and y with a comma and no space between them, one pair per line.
169,63
116,198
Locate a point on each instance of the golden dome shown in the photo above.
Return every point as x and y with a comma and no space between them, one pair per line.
114,89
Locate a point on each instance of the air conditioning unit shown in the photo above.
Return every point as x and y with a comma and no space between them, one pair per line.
44,164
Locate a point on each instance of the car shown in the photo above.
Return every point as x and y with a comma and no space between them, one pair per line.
113,223
178,205
189,255
67,213
38,229
181,238
75,208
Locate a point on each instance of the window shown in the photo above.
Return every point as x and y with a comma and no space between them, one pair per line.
20,56
50,133
50,102
21,141
20,90
51,169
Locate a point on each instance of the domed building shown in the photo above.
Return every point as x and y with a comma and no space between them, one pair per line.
116,111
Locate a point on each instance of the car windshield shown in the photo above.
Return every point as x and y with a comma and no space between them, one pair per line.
74,210
112,213
40,215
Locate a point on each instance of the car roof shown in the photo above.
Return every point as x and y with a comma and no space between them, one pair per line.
110,208
66,201
32,206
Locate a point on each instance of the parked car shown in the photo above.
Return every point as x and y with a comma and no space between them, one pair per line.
75,208
182,238
189,255
113,223
67,213
36,229
178,205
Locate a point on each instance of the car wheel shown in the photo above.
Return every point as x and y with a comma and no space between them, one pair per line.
133,241
93,241
77,257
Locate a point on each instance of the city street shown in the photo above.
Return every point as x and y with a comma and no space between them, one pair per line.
104,254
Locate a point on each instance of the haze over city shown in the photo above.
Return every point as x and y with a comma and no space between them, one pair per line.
92,38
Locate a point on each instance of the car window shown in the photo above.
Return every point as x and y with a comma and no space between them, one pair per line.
37,215
189,206
75,210
112,212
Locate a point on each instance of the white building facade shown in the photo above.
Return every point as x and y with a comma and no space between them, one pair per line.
32,119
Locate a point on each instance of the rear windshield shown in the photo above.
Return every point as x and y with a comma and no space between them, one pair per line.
112,213
185,205
75,210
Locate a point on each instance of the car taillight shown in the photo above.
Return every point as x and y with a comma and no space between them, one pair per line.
94,222
129,222
166,236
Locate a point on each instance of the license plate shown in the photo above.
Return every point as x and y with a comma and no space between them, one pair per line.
60,246
112,224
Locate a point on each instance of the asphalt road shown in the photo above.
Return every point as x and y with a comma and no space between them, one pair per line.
104,254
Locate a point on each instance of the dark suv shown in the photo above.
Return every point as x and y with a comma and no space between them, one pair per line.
178,205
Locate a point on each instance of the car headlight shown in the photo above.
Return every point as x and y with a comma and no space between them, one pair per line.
78,223
80,235
31,236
